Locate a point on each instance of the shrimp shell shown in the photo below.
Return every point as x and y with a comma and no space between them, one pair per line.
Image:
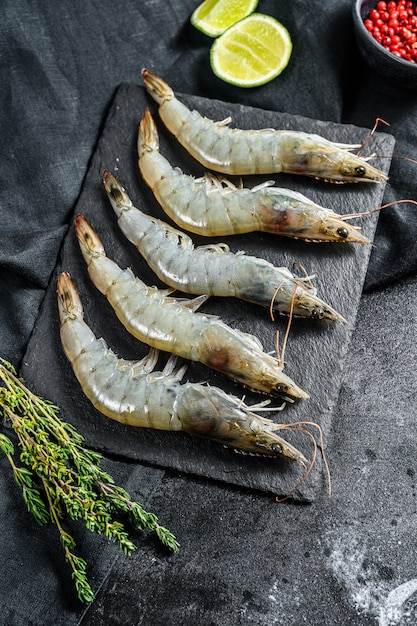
234,151
215,207
213,269
172,325
134,394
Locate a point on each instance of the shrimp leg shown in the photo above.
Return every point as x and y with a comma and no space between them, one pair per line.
133,394
212,270
210,206
235,151
173,325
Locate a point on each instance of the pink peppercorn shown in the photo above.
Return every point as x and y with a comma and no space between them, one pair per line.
394,26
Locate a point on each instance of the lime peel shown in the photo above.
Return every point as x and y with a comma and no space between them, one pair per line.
214,17
252,52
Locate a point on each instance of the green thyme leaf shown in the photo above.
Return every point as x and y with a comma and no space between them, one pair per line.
59,478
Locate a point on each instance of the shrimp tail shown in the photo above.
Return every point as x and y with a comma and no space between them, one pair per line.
148,134
157,87
117,194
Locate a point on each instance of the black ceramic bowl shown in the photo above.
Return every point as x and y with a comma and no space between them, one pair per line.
379,59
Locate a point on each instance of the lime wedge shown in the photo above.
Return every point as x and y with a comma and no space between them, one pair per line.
213,17
252,52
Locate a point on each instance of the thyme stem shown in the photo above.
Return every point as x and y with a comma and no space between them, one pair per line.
63,479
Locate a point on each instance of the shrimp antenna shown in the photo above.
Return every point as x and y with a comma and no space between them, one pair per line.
287,330
307,472
392,157
307,277
384,206
296,426
271,306
403,158
271,313
371,133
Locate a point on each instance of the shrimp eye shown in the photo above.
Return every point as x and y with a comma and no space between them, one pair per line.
360,170
342,232
317,314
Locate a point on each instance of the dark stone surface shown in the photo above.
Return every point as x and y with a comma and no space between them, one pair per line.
315,353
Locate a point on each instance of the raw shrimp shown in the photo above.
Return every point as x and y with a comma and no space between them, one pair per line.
213,269
132,393
172,325
213,207
235,151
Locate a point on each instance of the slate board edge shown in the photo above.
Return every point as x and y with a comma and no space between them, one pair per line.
53,278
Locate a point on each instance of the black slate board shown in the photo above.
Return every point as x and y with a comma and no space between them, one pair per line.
315,352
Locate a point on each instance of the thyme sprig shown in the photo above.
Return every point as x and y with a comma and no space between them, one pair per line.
62,478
